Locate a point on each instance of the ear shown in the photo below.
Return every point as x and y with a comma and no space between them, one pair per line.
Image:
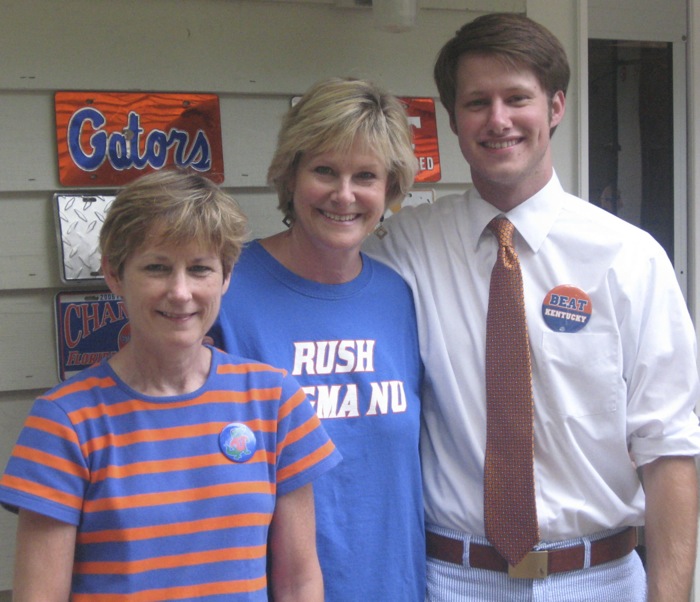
558,108
111,277
453,125
227,281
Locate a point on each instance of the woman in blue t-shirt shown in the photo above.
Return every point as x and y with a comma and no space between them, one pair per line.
344,325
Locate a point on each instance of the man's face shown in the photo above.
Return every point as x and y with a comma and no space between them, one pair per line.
502,120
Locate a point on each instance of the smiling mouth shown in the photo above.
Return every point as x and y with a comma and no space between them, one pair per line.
500,145
339,218
170,316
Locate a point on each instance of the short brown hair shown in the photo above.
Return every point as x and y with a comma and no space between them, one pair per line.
182,206
514,38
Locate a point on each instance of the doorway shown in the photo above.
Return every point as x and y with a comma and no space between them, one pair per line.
631,134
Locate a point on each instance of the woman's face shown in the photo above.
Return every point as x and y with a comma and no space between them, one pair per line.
172,293
339,198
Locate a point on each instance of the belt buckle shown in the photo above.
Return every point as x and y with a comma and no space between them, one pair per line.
533,566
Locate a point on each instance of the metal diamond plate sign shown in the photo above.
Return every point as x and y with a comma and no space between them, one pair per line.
79,218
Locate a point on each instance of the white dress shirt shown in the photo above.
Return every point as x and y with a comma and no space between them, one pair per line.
615,394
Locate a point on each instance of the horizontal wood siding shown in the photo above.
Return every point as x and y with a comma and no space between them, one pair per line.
254,54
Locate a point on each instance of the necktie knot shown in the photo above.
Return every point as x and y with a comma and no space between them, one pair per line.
503,228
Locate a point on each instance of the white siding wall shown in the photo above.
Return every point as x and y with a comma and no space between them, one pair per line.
255,55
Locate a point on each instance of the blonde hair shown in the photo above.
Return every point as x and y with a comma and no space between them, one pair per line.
330,117
181,207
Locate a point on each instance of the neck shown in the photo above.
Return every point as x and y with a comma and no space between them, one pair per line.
162,373
321,264
506,196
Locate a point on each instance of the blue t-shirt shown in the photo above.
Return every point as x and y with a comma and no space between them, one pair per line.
354,349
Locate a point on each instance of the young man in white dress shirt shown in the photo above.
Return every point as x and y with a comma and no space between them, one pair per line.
612,347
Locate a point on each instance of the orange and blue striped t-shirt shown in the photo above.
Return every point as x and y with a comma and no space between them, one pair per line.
167,507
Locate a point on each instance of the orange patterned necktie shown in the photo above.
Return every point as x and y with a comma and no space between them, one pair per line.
510,513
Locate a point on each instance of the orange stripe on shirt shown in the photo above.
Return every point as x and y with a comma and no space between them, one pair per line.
82,385
161,466
188,559
298,398
300,465
138,405
246,368
30,487
151,435
267,394
299,432
254,519
52,428
174,465
175,497
168,434
189,592
45,459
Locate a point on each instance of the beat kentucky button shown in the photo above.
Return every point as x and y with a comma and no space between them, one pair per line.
237,442
566,308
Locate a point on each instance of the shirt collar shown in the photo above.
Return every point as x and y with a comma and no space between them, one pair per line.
533,218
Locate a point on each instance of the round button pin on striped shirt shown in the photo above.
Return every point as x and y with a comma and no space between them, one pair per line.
237,442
